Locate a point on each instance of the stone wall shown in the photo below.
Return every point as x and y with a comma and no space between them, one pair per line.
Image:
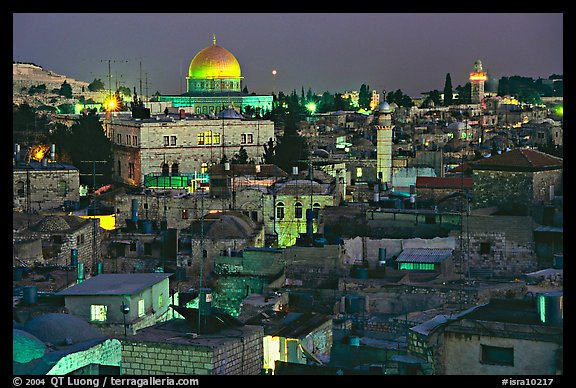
44,191
106,353
235,356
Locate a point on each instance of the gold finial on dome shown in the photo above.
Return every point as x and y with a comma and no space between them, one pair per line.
214,39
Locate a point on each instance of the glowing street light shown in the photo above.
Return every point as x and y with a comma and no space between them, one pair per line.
311,107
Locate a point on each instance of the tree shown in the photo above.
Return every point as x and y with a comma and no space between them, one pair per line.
269,150
448,90
433,96
464,93
245,90
364,97
96,85
241,157
292,149
65,90
85,141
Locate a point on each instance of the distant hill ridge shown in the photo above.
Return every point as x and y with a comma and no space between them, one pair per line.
30,72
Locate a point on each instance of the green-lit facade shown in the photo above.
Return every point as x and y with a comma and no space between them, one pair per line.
214,82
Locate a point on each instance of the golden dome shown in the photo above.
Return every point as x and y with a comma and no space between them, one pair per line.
214,62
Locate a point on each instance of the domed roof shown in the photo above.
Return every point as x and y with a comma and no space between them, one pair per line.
52,224
61,329
214,62
26,347
384,107
229,113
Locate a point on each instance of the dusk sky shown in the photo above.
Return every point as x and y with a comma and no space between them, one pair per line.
333,52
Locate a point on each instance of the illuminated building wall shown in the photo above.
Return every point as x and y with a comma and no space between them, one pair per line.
165,146
477,78
384,147
288,213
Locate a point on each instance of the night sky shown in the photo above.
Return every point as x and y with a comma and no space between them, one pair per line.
333,52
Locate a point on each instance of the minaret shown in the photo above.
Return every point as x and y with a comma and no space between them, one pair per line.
384,142
477,78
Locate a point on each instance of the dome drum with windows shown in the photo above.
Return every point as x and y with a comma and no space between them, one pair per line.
214,69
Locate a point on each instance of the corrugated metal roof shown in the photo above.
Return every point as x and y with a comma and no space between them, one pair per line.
424,255
115,284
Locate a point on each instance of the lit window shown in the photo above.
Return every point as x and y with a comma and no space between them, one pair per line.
497,355
216,138
166,141
208,137
280,210
201,138
358,172
173,140
141,308
98,313
204,168
184,214
298,210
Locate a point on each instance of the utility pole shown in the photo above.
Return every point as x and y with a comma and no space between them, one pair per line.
110,71
94,206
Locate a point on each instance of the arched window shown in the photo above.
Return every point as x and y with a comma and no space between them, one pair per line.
298,210
280,210
165,169
174,169
316,210
20,189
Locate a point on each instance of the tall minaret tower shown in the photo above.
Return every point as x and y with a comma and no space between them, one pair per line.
383,118
477,78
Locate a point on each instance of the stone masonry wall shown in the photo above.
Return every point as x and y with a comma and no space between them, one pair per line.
236,356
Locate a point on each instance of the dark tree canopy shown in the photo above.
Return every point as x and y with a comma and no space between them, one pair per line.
448,90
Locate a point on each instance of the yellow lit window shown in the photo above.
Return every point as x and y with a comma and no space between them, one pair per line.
208,137
201,139
98,313
358,172
204,168
216,138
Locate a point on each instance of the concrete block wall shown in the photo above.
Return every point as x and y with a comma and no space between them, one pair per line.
236,356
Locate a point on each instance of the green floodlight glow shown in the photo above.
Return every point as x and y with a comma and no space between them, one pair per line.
311,107
560,110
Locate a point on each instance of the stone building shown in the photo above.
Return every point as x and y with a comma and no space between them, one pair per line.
504,337
496,245
446,194
165,146
44,185
169,348
120,304
58,236
518,178
217,234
